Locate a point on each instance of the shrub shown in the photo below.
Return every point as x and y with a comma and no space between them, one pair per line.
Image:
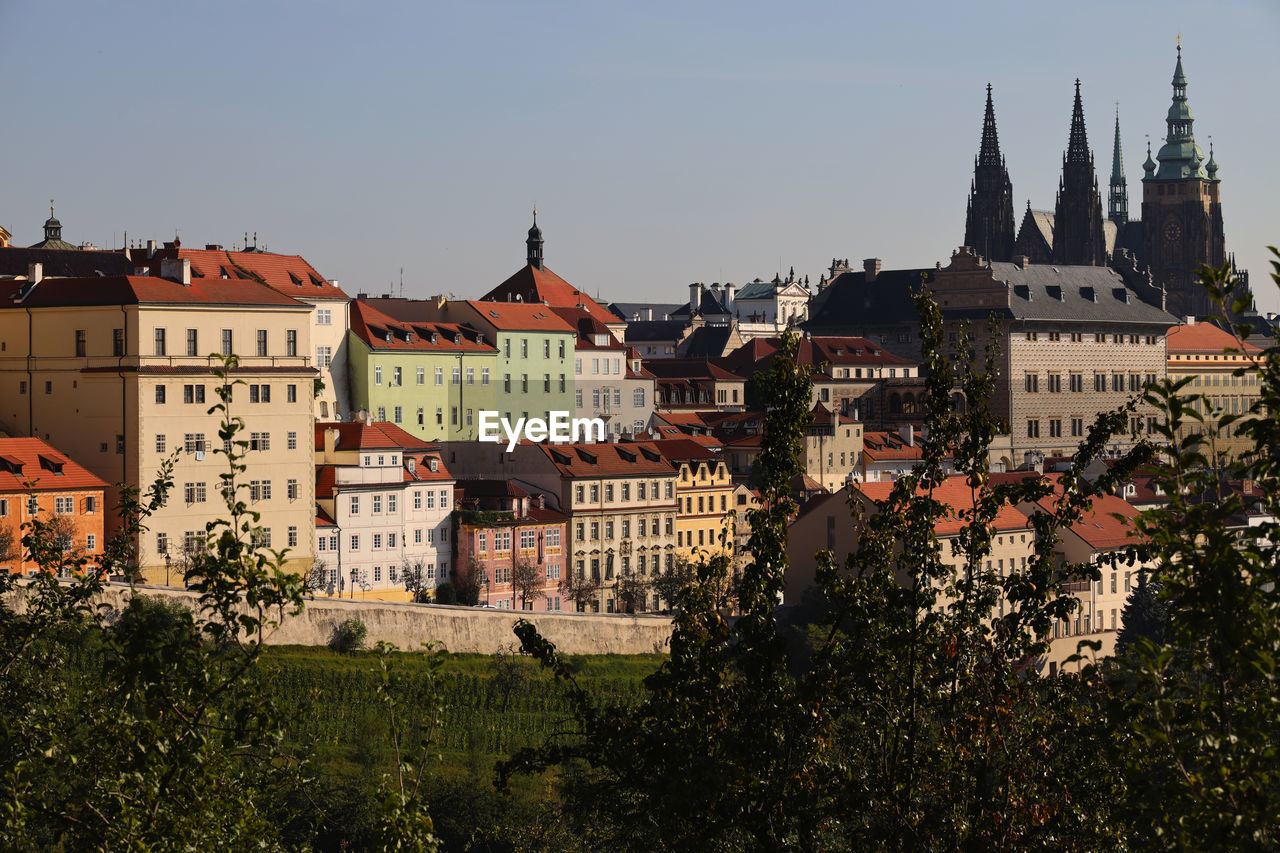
349,637
446,594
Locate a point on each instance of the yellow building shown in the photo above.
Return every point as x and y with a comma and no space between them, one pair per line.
704,493
1211,356
117,372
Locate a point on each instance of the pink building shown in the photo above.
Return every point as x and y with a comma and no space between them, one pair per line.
500,527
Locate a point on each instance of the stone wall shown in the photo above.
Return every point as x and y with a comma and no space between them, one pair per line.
460,629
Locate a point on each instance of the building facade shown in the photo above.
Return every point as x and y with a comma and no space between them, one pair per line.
511,544
1211,358
37,481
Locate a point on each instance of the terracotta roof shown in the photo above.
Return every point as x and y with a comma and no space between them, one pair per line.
758,353
883,446
954,493
374,436
141,290
1205,339
1098,524
323,519
588,326
535,285
690,368
519,316
325,477
802,482
484,488
291,275
25,460
607,460
374,327
422,472
684,449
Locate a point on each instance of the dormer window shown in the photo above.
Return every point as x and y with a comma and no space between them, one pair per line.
434,465
602,340
408,336
389,336
435,338
411,464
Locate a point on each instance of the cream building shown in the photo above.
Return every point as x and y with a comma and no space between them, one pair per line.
704,491
117,372
1211,357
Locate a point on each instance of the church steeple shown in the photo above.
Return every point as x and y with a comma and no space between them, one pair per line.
1180,157
52,227
989,223
534,243
1118,200
1077,221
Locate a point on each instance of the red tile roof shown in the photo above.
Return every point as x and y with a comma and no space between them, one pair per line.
588,326
422,468
373,326
30,459
287,274
143,290
534,285
374,436
954,493
684,449
637,459
883,446
1106,523
519,317
1205,339
758,353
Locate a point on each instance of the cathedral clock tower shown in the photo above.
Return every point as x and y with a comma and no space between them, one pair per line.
1181,210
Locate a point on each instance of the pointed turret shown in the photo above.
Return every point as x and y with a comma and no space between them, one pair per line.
534,243
1211,168
989,223
1118,200
1077,223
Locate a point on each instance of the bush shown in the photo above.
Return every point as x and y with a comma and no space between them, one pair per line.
349,637
446,594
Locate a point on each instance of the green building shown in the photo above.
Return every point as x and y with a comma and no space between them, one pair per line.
431,379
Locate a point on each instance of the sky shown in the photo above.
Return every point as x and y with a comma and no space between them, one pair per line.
662,142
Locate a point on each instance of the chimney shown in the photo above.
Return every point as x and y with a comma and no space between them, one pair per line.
330,442
35,274
908,433
1021,261
728,295
541,501
151,249
648,314
871,268
1188,320
695,296
176,269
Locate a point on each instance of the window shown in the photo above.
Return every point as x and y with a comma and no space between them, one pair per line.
524,383
193,442
262,342
417,500
194,493
456,376
484,376
355,542
291,490
324,316
562,383
293,537
159,342
1077,427
562,349
259,441
324,357
546,383
377,374
355,505
524,347
1099,382
226,342
1055,428
159,444
1033,429
439,374
291,393
1076,382
638,397
396,415
1055,383
162,543
259,393
291,342
117,342
1032,380
64,506
377,541
377,503
80,343
159,393
420,376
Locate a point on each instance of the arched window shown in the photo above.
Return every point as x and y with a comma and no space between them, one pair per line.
958,403
908,404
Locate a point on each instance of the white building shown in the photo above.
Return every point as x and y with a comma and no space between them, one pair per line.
389,497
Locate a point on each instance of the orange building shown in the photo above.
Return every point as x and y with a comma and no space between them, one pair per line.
38,481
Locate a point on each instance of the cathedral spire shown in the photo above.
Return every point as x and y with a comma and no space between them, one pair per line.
1077,143
989,152
1077,222
989,223
1118,201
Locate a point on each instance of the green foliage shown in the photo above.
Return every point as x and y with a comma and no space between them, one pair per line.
1145,616
908,713
349,636
446,594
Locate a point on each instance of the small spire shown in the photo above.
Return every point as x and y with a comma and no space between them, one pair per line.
1212,166
534,243
1150,166
989,152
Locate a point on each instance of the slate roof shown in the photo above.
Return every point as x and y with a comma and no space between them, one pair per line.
64,263
690,368
654,330
851,299
706,342
1075,293
30,459
709,304
634,311
757,290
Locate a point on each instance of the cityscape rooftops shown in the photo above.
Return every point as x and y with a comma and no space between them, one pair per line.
31,460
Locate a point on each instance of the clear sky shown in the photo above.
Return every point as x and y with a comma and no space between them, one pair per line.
663,143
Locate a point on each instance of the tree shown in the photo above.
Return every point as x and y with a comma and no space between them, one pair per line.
1145,615
317,577
578,587
527,580
632,590
914,724
668,584
471,581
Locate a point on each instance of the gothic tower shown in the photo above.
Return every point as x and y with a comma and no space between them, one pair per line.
1181,211
1118,200
1077,220
989,224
